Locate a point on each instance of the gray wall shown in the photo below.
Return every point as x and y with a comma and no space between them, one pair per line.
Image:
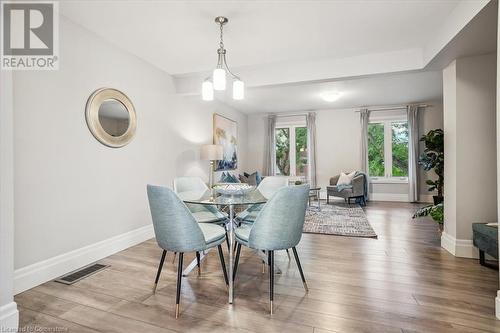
70,190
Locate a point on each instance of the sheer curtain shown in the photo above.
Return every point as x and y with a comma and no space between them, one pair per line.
270,167
364,118
413,140
311,148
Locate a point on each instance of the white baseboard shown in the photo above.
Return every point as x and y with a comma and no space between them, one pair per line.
399,197
459,247
9,317
497,305
49,269
427,198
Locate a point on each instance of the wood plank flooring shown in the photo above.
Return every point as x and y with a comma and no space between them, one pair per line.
401,282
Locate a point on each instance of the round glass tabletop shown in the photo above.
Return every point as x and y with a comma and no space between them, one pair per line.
207,198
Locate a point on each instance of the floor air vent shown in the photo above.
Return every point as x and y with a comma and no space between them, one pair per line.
80,274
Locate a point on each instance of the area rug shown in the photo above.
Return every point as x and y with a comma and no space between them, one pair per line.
339,219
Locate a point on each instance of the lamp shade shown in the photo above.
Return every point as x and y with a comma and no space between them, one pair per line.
219,78
211,152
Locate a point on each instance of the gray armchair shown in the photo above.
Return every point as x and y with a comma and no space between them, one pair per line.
356,191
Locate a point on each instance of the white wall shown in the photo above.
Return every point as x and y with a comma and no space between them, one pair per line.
470,150
450,156
338,145
70,190
497,299
8,309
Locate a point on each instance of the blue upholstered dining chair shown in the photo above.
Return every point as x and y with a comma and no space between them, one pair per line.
177,230
194,188
267,187
278,226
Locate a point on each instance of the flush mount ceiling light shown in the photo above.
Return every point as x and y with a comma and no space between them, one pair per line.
218,79
330,96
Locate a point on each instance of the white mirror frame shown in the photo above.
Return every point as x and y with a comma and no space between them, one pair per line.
92,116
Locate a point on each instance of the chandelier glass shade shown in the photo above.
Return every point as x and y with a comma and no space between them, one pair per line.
218,80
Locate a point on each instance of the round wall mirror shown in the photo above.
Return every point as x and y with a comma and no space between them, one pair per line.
111,117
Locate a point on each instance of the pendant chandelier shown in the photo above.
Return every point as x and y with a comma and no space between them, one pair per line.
218,79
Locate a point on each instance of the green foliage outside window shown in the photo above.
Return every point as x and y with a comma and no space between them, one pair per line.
283,151
399,145
400,149
300,150
376,150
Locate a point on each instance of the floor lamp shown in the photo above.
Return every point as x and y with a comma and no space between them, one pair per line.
211,153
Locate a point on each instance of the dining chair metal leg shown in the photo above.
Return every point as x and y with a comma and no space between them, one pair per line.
271,279
300,269
227,241
159,269
198,262
179,280
173,259
223,264
264,263
288,254
236,260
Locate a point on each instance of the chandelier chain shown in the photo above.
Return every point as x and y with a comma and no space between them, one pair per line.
221,43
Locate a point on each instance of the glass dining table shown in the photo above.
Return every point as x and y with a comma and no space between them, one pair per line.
231,202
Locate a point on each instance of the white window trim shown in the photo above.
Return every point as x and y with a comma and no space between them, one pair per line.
386,120
292,125
391,180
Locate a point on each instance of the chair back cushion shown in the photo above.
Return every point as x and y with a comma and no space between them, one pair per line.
270,185
189,187
279,224
174,225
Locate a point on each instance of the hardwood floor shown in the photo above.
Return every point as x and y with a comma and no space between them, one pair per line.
401,282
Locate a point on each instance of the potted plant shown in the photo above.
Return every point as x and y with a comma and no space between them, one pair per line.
433,159
435,211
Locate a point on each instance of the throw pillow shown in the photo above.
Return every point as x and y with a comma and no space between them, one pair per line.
234,179
258,177
252,179
346,179
226,177
243,179
222,177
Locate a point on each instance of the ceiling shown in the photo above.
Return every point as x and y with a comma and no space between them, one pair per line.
381,90
181,36
374,52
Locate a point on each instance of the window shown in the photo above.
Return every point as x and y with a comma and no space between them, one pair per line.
283,151
301,151
291,150
399,149
376,150
388,148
